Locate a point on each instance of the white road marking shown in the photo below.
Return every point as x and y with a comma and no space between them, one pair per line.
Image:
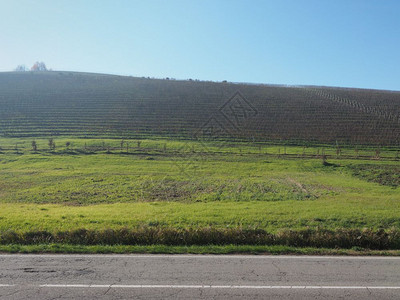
150,286
6,285
199,256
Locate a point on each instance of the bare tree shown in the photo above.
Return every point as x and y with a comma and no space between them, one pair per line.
39,66
52,144
21,68
34,146
378,153
324,160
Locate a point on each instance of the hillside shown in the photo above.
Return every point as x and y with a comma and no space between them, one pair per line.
94,105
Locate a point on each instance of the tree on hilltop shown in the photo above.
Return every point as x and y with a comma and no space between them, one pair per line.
39,66
21,68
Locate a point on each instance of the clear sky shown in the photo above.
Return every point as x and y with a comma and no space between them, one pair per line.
352,43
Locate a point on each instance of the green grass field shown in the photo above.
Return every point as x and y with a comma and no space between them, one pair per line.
243,167
101,184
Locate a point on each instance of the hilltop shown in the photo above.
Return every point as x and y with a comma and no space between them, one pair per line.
97,105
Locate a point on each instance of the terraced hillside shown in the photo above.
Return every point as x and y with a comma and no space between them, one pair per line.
94,105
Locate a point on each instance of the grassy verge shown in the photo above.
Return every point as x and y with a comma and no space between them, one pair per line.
330,213
210,249
321,238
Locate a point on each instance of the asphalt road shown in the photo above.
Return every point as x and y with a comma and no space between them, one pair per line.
197,277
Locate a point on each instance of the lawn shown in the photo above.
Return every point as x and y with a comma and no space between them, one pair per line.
106,184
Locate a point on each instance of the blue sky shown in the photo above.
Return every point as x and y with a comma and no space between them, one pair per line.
349,43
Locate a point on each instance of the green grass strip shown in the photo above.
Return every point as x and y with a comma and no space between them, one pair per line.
210,249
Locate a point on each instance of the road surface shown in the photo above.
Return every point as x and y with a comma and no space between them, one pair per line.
198,277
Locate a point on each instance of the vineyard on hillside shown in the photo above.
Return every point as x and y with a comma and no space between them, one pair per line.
94,105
